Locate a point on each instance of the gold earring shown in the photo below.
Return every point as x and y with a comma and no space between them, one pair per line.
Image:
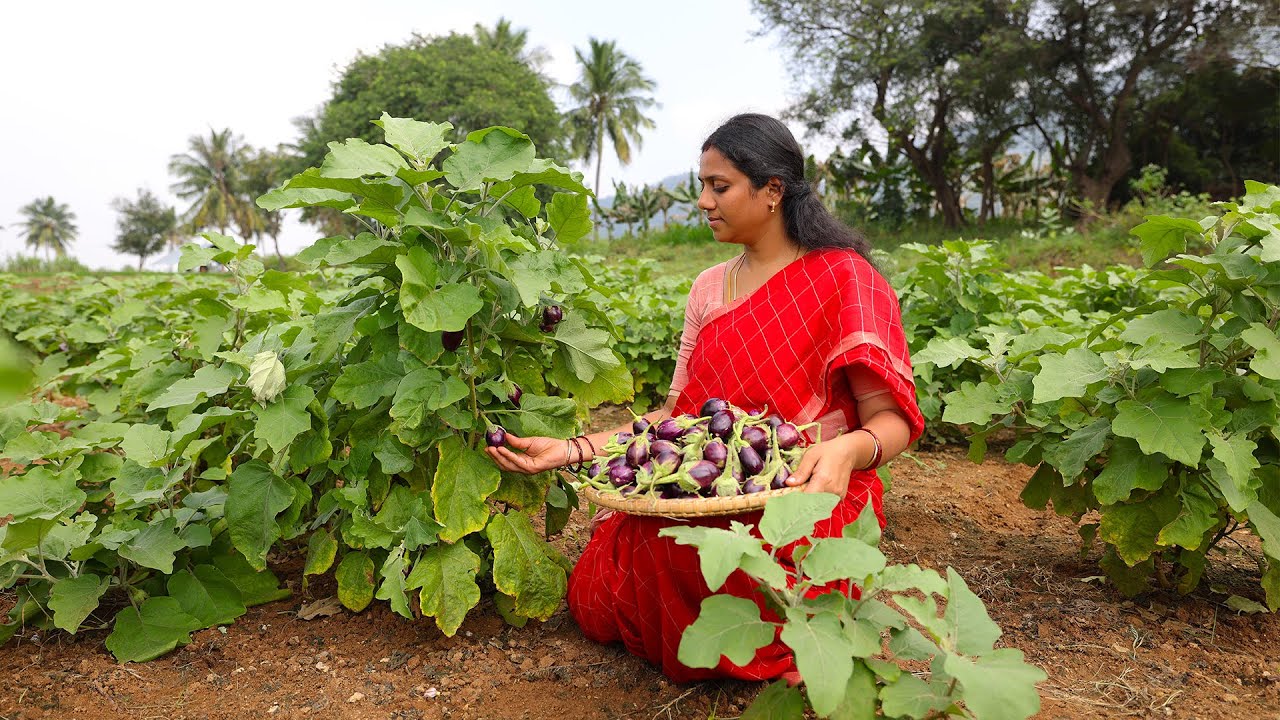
773,206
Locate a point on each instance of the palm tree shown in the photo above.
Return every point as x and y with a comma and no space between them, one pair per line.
209,177
49,225
503,38
612,100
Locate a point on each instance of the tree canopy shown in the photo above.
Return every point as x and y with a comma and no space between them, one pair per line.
48,224
145,226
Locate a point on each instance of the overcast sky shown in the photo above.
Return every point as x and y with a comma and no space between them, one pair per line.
98,96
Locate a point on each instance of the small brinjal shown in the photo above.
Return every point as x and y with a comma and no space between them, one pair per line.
638,452
664,446
722,424
671,492
664,463
552,315
619,461
788,436
623,437
669,429
774,421
704,472
496,437
780,478
595,469
713,406
751,486
757,437
717,452
515,395
451,339
639,426
752,463
621,476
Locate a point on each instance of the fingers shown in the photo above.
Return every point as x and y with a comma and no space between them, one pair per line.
519,442
805,469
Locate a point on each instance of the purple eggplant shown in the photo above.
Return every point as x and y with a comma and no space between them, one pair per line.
788,436
751,486
713,406
515,395
621,476
716,452
671,492
757,437
722,424
623,438
552,315
665,463
638,451
669,429
639,426
780,478
451,339
773,421
752,463
496,437
704,472
595,469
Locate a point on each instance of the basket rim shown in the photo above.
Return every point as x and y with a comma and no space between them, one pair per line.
681,507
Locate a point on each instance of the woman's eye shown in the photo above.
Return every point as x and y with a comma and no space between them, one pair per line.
720,189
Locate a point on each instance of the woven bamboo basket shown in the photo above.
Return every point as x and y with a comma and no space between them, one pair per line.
679,507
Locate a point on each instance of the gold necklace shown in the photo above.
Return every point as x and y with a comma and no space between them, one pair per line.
733,275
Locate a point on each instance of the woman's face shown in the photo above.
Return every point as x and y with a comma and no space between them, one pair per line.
736,212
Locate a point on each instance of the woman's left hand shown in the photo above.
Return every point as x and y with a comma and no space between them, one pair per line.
826,466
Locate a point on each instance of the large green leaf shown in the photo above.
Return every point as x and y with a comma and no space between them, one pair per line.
207,382
569,216
907,696
1128,469
147,445
73,599
720,552
998,686
424,391
975,404
1081,446
488,155
393,589
40,493
823,656
1266,525
973,631
585,350
1266,361
428,304
464,479
1172,426
255,496
1162,236
1198,515
792,516
1067,375
779,701
726,625
543,416
525,566
355,158
206,594
155,546
447,575
1134,528
841,558
419,140
158,626
355,581
286,418
362,385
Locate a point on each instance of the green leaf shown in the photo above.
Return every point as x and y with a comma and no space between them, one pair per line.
823,655
73,599
1081,446
424,391
1199,514
792,516
155,546
720,552
1172,326
333,329
322,550
207,382
1168,425
1162,236
614,384
1266,526
998,686
256,586
728,626
1266,361
866,528
147,445
286,418
355,581
447,575
427,306
421,141
362,385
532,274
355,158
525,566
947,352
464,479
266,376
974,404
586,351
256,495
974,633
1236,454
909,696
158,626
277,199
1128,469
897,578
541,416
841,558
1134,528
569,216
1067,375
363,249
779,701
488,155
393,588
207,595
859,695
40,493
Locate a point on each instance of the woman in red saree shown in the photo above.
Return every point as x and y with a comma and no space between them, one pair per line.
800,323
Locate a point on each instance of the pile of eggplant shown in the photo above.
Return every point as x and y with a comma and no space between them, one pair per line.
722,452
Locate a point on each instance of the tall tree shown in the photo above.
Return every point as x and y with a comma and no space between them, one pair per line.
48,224
145,226
1096,56
506,39
209,177
902,60
612,96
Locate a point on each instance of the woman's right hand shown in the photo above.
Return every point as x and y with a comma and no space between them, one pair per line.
539,454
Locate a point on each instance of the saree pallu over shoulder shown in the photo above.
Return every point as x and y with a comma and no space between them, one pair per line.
784,347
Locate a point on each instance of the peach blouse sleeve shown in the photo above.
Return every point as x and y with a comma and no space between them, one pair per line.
705,294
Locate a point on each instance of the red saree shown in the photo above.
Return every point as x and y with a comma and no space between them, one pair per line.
786,347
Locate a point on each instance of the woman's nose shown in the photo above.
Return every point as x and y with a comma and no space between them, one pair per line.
704,200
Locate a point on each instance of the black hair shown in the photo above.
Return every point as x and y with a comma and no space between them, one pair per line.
761,147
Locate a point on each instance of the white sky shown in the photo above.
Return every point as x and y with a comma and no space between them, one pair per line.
98,95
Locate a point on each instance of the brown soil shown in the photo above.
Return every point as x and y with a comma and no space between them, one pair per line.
1156,656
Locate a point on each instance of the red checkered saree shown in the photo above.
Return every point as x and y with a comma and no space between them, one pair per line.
786,346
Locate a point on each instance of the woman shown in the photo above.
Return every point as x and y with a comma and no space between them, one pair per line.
800,323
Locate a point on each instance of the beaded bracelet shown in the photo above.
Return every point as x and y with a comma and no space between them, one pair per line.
878,454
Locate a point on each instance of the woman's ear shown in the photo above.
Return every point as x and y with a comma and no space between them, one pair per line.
774,188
